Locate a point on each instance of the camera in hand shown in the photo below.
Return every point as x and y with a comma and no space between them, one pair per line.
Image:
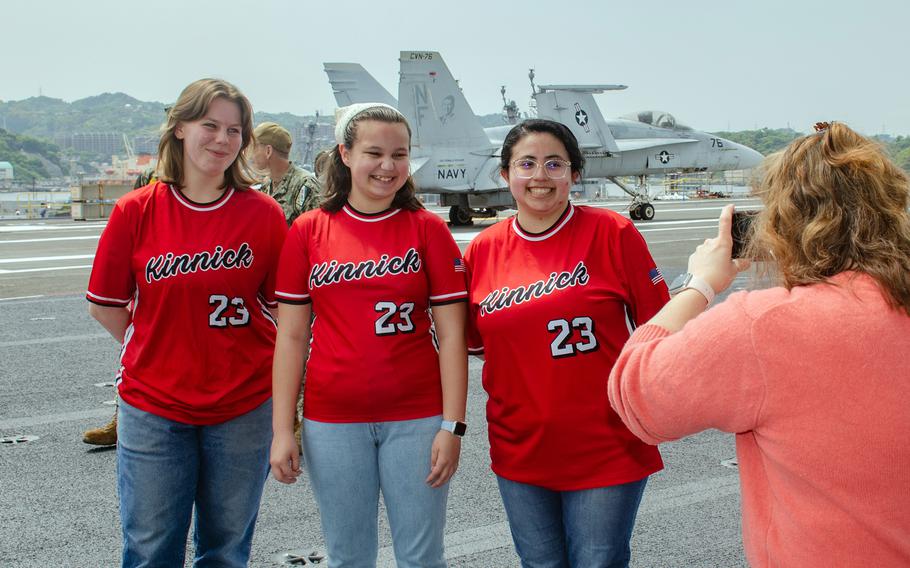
742,231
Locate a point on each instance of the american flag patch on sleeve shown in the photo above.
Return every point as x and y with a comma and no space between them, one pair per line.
655,275
459,265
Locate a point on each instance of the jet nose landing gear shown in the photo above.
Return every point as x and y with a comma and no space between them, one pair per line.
640,209
641,212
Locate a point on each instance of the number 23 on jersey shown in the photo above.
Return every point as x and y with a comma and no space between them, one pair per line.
562,346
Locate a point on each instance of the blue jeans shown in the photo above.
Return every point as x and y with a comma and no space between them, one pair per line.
165,467
590,528
350,463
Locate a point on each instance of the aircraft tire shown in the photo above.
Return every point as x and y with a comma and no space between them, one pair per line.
460,216
646,210
635,213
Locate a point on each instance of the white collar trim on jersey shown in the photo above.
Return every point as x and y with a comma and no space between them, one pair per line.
201,206
366,218
546,234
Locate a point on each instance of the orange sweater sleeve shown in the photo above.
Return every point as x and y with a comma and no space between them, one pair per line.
665,386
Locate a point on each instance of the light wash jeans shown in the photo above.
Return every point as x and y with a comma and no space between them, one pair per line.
350,463
590,528
165,467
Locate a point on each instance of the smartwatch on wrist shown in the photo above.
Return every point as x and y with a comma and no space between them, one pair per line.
454,426
689,280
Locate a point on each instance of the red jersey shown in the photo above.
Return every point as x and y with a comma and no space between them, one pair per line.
199,347
551,312
372,279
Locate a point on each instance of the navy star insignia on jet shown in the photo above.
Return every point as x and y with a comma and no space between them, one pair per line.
581,117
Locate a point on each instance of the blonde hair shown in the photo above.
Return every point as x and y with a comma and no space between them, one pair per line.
192,105
835,202
337,184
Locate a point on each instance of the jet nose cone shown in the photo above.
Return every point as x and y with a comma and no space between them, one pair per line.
748,158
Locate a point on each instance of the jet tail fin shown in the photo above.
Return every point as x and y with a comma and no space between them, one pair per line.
434,105
352,84
576,108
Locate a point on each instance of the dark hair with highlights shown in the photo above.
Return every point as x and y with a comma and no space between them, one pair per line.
835,202
337,184
192,105
538,125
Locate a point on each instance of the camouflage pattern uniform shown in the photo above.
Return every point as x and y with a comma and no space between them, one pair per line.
298,191
146,177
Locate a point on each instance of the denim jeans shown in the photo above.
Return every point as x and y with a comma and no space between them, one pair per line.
165,467
350,463
590,528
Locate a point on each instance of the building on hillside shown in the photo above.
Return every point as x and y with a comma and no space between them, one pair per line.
146,144
106,143
6,172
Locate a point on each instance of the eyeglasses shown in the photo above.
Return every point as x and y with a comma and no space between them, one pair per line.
526,168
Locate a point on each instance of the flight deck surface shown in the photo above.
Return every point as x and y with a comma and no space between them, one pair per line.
59,495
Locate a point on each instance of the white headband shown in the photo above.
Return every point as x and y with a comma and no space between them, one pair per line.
344,116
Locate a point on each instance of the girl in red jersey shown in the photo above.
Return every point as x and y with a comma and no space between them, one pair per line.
383,409
195,253
554,293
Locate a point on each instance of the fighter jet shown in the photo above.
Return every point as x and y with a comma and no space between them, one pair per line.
454,156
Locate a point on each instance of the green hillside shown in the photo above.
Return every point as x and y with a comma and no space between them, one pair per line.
45,117
31,158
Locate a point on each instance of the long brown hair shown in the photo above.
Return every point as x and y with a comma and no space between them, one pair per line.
192,105
337,185
835,202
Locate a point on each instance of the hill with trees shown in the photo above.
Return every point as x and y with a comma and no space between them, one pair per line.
31,158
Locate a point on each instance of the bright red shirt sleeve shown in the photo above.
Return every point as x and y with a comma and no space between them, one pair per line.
472,336
444,265
112,281
292,286
644,281
277,233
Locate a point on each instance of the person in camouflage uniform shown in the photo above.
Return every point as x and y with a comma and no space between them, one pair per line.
296,189
146,177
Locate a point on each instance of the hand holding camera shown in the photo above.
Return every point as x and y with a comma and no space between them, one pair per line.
713,260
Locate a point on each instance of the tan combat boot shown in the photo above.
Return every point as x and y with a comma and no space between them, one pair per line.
104,436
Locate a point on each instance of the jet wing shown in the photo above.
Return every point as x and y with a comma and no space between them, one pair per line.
642,143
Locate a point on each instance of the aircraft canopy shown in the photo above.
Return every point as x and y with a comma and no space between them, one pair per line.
658,118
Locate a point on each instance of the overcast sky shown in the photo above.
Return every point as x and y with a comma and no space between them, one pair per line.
715,65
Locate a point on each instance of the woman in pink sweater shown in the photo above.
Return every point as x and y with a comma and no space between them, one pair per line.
812,376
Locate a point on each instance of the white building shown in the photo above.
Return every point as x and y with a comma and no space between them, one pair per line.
6,171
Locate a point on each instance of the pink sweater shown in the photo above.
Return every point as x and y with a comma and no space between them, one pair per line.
815,383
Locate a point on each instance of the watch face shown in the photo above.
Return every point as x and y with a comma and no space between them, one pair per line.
679,282
460,428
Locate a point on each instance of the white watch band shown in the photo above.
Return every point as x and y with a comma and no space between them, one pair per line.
697,283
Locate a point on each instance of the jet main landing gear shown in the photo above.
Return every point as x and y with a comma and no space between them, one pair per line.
460,216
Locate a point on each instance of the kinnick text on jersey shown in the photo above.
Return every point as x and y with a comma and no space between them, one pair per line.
333,272
167,265
506,297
